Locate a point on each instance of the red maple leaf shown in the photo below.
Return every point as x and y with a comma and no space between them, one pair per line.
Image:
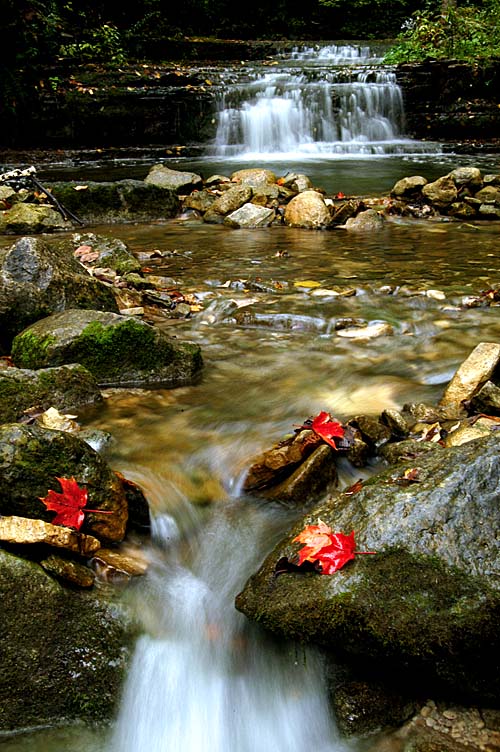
69,504
330,550
327,428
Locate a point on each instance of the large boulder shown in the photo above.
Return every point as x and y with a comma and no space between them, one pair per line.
308,210
409,188
117,350
122,200
424,609
31,460
37,279
65,388
72,647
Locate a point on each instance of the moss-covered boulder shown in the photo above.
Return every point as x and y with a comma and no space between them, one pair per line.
118,350
72,647
37,279
65,388
424,608
31,218
121,200
31,460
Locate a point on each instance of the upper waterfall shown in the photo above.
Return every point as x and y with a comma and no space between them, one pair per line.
335,99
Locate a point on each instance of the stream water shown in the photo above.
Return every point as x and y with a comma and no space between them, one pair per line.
202,676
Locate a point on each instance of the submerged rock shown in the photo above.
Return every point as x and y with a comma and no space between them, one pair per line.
425,607
118,350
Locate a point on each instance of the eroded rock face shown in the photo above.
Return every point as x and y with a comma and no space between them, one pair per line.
425,606
31,460
73,646
117,350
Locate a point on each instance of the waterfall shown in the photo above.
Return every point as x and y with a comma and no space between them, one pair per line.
205,678
336,99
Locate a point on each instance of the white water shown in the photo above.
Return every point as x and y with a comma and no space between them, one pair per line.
204,677
320,101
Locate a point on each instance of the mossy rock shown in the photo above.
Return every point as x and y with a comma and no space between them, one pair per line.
65,388
113,252
39,278
121,200
73,646
31,460
118,350
426,605
31,218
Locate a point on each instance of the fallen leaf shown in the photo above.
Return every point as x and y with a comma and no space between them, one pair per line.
327,428
56,421
328,550
69,504
306,283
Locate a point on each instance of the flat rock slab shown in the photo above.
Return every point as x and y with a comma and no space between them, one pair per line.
24,530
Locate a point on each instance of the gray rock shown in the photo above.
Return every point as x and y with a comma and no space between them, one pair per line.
174,180
250,216
37,279
487,399
232,199
64,388
489,211
200,201
427,604
73,646
117,350
366,221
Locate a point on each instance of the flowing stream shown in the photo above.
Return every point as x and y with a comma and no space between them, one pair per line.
270,330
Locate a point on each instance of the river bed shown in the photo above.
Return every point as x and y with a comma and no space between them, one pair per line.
273,307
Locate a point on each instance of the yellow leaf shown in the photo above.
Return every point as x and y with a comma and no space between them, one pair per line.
306,283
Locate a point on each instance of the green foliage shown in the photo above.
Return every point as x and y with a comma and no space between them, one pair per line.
467,33
102,44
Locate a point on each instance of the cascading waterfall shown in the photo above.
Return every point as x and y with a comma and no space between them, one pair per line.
204,678
319,101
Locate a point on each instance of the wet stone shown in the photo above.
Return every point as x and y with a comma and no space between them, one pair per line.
69,571
487,400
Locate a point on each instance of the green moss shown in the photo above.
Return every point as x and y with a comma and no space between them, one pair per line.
30,351
108,350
